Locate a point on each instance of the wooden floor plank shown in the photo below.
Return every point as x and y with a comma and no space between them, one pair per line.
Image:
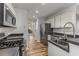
36,49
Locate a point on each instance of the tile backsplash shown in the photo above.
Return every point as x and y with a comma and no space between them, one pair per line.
67,31
6,30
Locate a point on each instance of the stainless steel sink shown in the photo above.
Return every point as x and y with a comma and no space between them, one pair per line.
60,40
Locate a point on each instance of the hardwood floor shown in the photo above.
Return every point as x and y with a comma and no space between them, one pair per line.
36,48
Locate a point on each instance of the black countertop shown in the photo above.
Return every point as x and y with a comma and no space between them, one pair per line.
73,40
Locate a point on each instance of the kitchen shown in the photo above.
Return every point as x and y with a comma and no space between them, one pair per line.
55,25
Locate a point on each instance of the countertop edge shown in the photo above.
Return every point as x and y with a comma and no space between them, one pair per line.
8,35
73,42
4,37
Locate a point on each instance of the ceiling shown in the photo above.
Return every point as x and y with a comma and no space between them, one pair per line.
44,9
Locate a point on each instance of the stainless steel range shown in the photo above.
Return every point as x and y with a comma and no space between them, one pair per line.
11,41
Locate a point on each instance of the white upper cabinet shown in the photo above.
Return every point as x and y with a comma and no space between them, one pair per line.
53,22
67,16
64,20
77,19
57,21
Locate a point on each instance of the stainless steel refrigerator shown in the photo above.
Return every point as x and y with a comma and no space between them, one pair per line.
45,30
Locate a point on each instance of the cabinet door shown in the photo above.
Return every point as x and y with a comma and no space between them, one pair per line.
57,21
52,22
74,50
55,50
66,17
63,20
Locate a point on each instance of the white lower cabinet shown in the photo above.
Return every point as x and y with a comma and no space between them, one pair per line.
74,50
56,51
9,51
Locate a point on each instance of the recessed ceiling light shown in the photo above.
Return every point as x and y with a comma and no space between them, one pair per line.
33,16
36,11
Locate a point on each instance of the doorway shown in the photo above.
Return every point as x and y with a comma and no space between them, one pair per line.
35,48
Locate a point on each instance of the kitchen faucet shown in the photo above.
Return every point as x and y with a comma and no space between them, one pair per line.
73,29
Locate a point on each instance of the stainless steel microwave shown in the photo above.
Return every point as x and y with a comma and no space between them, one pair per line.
7,17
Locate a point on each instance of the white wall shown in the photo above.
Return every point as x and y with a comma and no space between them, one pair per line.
36,28
22,23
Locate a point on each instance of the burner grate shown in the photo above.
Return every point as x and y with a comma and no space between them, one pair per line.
11,43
